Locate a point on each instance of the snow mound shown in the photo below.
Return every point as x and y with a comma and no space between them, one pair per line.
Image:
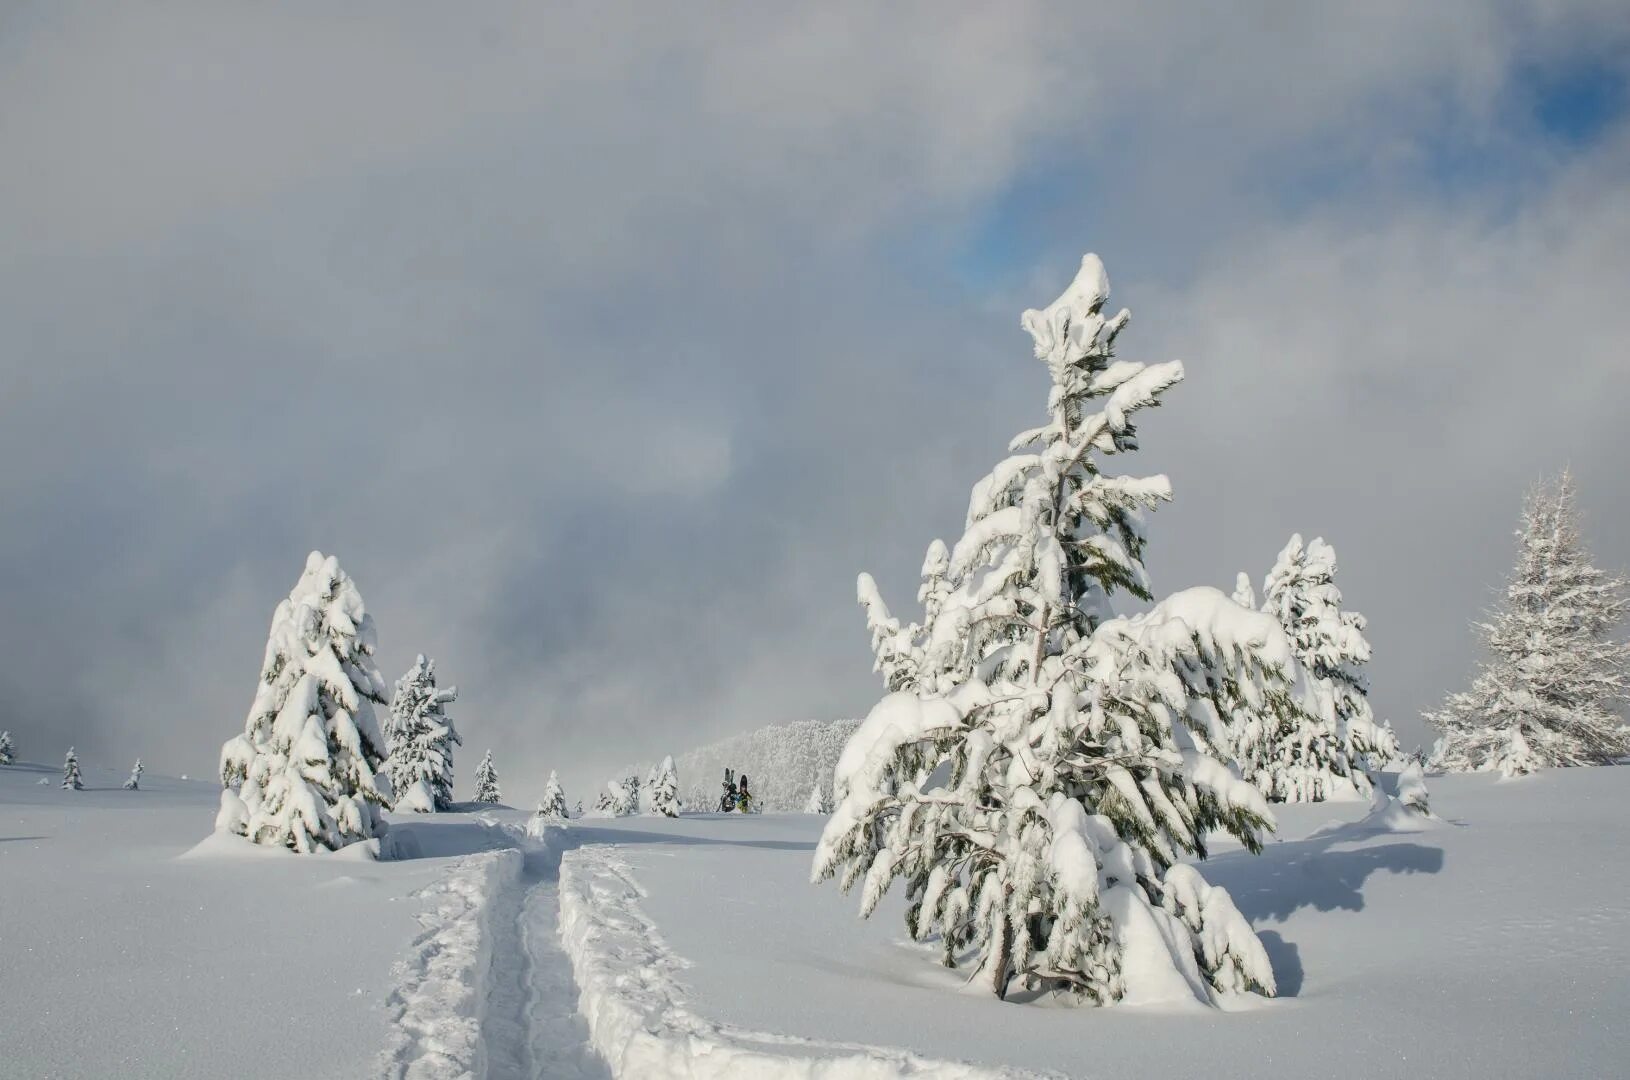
637,1009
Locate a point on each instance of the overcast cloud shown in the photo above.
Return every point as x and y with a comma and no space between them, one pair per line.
605,344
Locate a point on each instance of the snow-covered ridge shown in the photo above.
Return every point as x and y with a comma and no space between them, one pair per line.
637,1010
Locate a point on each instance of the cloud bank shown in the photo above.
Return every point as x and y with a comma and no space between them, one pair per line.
606,344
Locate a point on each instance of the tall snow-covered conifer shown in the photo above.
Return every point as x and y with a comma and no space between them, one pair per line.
486,781
134,783
1326,756
71,780
1029,776
8,755
307,771
664,788
1553,688
421,738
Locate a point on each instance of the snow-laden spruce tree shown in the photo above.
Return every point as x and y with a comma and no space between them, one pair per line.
1328,757
421,738
307,772
664,789
1244,595
626,796
486,781
1031,776
1552,690
71,780
553,803
820,799
8,755
134,783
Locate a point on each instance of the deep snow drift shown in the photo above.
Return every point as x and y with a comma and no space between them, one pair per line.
1492,944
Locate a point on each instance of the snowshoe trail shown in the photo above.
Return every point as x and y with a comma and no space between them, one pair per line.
530,1026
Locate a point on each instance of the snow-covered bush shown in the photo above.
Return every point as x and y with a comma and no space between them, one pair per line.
307,771
1412,788
420,736
486,781
621,798
71,780
1553,687
7,754
1029,777
134,783
664,789
1329,644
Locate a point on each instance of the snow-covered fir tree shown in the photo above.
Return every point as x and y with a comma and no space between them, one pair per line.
8,754
664,789
551,809
820,799
1244,595
71,780
1030,776
1328,755
307,772
134,783
625,796
421,738
1552,690
609,799
486,781
553,803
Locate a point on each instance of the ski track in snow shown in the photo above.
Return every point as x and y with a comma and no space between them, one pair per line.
490,923
637,1012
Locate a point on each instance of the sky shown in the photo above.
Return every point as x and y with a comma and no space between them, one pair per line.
605,344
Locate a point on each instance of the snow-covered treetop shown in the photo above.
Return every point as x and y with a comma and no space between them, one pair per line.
324,630
1049,537
1300,591
1244,595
